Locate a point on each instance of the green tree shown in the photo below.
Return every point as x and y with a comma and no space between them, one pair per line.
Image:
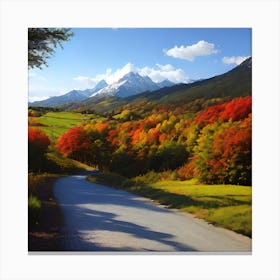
42,42
169,156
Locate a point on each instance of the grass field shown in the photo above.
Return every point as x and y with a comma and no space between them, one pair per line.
56,123
228,206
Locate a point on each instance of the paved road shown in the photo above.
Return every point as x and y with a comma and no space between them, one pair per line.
99,218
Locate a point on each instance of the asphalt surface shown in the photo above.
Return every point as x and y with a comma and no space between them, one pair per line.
99,218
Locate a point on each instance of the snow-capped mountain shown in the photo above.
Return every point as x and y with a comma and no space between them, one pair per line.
71,96
130,84
101,84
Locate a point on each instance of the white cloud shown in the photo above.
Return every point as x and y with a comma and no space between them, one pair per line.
157,74
119,73
234,59
90,82
189,53
163,72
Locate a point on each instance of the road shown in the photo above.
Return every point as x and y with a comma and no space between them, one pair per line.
99,218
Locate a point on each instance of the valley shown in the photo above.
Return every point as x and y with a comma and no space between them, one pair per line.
187,146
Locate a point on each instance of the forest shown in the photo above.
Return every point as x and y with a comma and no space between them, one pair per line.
209,139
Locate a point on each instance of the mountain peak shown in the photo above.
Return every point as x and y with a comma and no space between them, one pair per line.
101,84
131,75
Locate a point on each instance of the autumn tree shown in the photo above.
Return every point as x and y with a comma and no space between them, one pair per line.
224,153
42,42
235,110
76,144
87,144
232,148
38,143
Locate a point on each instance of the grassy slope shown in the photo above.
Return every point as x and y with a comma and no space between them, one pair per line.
228,206
56,123
223,205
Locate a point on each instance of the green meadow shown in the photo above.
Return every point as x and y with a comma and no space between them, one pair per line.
229,206
56,123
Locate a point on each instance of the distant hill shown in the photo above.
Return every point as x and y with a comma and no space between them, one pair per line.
71,96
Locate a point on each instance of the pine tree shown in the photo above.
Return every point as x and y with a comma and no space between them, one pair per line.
42,42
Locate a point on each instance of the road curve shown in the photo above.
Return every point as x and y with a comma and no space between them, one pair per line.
99,218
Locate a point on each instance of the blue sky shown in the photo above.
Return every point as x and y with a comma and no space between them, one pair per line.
177,54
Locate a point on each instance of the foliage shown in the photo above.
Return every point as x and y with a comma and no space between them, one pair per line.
34,202
87,144
111,179
235,110
38,144
213,146
42,42
224,153
75,143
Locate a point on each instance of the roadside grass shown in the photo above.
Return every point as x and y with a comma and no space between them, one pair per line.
34,209
60,164
44,215
228,206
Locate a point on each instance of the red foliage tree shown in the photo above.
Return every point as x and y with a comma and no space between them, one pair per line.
74,143
38,138
235,110
232,149
38,143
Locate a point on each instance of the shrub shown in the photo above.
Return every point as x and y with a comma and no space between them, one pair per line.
111,179
169,175
34,209
187,171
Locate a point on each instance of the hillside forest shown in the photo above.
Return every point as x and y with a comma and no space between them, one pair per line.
212,144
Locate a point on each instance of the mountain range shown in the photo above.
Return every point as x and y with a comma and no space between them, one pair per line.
234,83
142,92
71,96
129,85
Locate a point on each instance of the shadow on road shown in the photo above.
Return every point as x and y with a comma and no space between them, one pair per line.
76,195
90,220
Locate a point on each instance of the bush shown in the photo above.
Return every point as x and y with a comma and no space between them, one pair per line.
111,179
187,171
34,210
169,175
146,179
